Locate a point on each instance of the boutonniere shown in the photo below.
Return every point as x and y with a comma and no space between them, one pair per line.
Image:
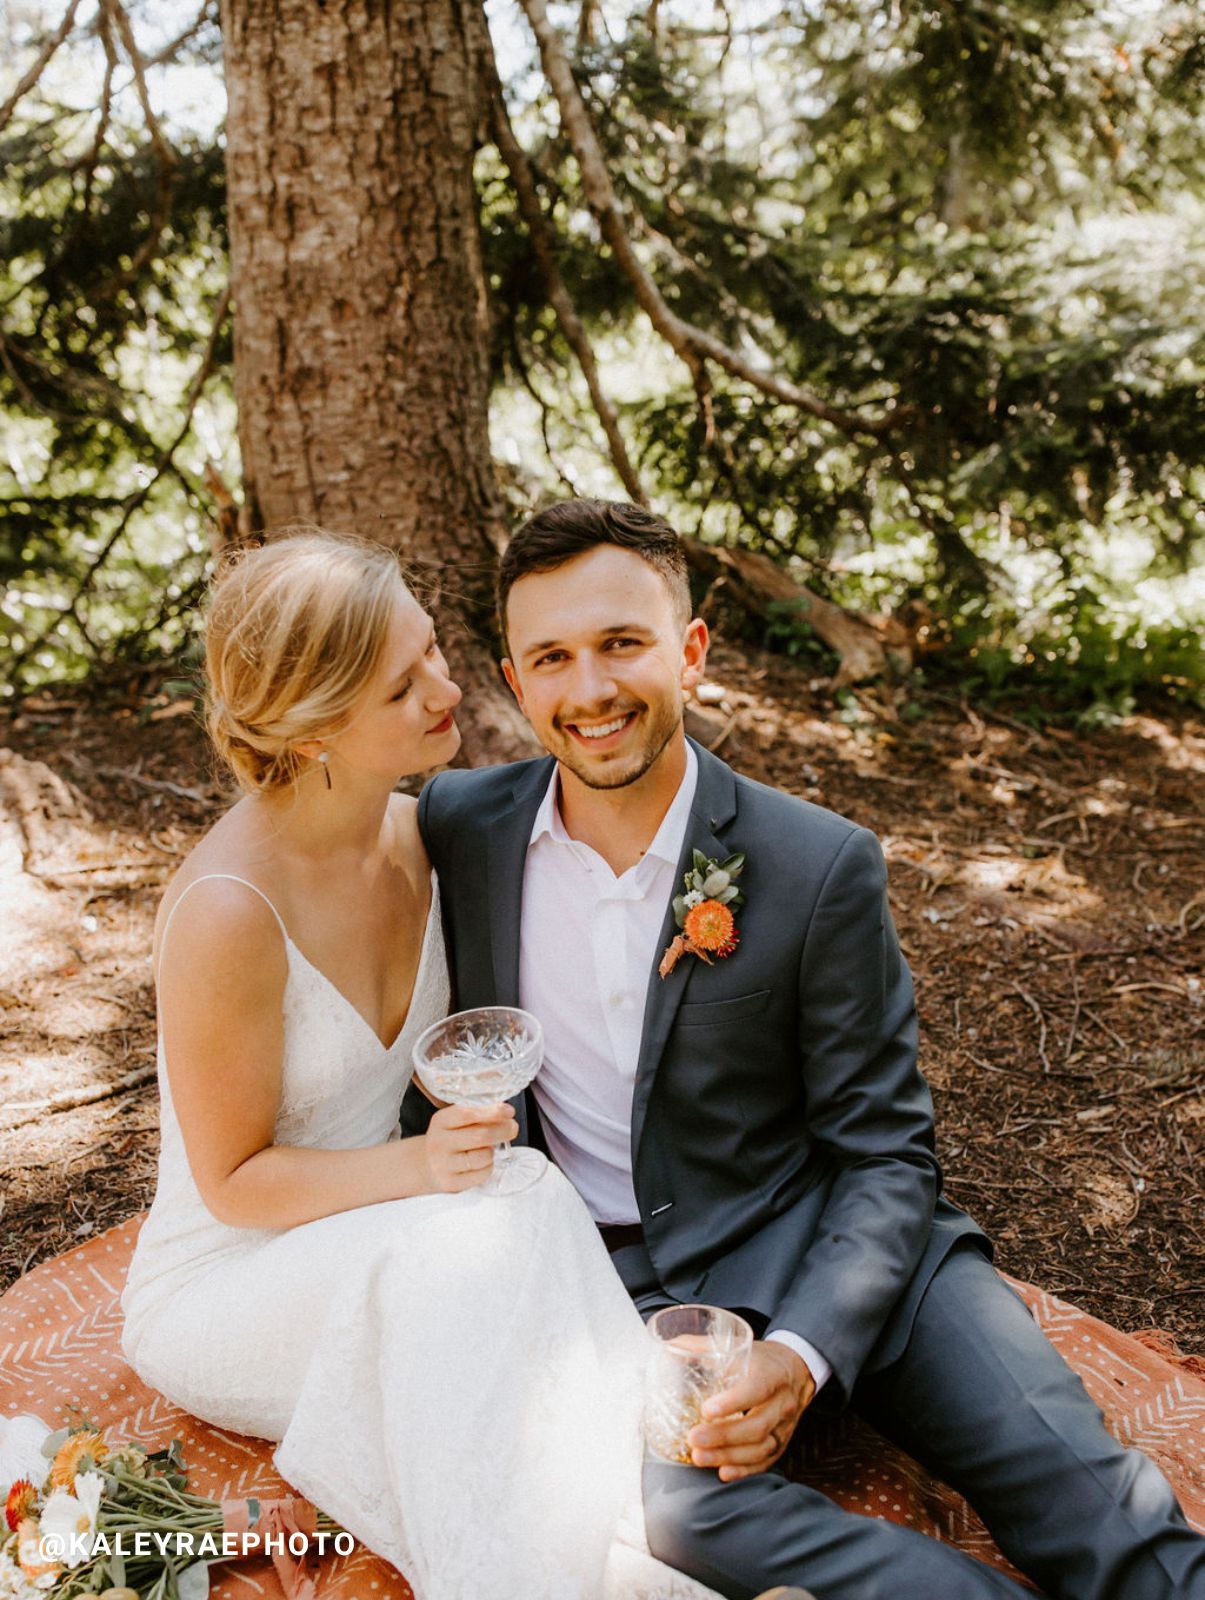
704,912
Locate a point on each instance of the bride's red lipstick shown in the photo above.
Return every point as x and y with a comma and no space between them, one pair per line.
442,727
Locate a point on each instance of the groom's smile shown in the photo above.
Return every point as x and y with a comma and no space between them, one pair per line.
602,735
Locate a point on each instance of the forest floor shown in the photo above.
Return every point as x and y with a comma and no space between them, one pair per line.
1048,887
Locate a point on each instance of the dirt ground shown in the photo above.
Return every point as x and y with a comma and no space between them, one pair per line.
1049,891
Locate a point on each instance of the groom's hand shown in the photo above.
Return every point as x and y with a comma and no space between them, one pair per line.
748,1427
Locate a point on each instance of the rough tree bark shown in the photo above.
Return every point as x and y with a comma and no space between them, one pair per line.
360,312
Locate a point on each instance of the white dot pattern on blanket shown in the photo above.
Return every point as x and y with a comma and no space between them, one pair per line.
59,1346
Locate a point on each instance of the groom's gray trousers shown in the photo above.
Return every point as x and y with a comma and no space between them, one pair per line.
982,1399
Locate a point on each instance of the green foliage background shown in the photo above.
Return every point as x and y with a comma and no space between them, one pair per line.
980,217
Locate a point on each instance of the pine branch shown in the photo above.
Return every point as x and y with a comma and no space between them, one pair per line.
40,65
542,244
666,245
183,605
692,344
652,24
163,464
525,378
207,13
67,379
162,147
92,158
962,564
585,23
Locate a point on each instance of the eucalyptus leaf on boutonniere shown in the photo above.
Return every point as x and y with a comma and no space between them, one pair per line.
704,911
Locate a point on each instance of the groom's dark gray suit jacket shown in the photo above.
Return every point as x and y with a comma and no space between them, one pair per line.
782,1136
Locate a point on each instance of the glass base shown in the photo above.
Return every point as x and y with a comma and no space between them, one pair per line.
515,1171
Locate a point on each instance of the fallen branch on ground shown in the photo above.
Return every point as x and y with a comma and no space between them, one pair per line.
71,1099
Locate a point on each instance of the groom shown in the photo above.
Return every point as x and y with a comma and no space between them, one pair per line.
750,1129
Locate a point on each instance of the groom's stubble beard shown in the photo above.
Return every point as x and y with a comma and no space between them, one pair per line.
619,775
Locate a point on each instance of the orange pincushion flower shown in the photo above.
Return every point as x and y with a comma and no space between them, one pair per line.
710,926
20,1502
704,911
71,1454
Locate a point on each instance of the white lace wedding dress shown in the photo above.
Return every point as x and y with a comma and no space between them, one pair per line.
454,1378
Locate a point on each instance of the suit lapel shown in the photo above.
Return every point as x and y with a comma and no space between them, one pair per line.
713,809
507,855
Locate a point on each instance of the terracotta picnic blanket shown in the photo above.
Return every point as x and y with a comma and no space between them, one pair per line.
59,1345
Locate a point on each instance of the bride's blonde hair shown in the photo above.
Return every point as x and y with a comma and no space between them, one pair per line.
294,631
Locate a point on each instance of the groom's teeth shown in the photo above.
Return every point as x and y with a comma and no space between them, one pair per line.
601,733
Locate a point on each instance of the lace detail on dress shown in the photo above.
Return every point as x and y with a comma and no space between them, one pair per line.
472,1411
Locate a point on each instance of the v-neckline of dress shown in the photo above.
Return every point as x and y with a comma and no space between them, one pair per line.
385,1049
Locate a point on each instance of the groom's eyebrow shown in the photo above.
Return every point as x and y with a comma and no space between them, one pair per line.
544,644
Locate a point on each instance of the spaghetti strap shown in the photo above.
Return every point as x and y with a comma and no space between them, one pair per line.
205,878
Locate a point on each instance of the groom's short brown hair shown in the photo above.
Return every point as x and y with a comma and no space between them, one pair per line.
572,527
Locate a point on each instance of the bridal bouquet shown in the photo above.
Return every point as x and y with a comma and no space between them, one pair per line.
118,1522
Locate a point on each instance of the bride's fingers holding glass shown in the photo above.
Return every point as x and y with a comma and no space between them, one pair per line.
459,1144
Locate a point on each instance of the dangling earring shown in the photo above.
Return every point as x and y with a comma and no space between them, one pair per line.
324,759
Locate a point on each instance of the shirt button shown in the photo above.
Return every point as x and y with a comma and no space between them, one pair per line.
616,999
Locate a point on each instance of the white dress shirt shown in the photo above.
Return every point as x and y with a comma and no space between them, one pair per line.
587,945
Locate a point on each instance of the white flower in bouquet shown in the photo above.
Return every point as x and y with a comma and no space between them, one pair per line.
71,1517
13,1582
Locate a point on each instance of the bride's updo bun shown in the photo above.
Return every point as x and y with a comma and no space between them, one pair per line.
294,631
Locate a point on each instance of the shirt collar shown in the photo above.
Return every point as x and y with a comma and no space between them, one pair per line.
667,841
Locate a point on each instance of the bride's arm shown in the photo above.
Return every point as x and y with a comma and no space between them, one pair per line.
221,984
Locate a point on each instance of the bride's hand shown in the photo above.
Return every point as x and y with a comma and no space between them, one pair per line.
459,1145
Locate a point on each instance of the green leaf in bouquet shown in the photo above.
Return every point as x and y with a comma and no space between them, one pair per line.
194,1582
733,864
81,1422
171,1586
169,1465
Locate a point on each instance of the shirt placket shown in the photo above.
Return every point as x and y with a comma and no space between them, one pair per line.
611,966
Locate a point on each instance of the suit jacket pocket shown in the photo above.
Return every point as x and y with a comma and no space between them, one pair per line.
703,1013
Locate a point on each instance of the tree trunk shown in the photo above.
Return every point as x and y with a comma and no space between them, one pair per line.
360,330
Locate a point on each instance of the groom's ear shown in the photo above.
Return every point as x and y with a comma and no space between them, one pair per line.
512,678
694,653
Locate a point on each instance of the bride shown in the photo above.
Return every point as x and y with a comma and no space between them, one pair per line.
454,1376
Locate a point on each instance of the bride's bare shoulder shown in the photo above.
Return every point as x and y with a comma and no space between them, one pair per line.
223,908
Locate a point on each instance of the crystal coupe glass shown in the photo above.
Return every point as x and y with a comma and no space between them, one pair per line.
477,1058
